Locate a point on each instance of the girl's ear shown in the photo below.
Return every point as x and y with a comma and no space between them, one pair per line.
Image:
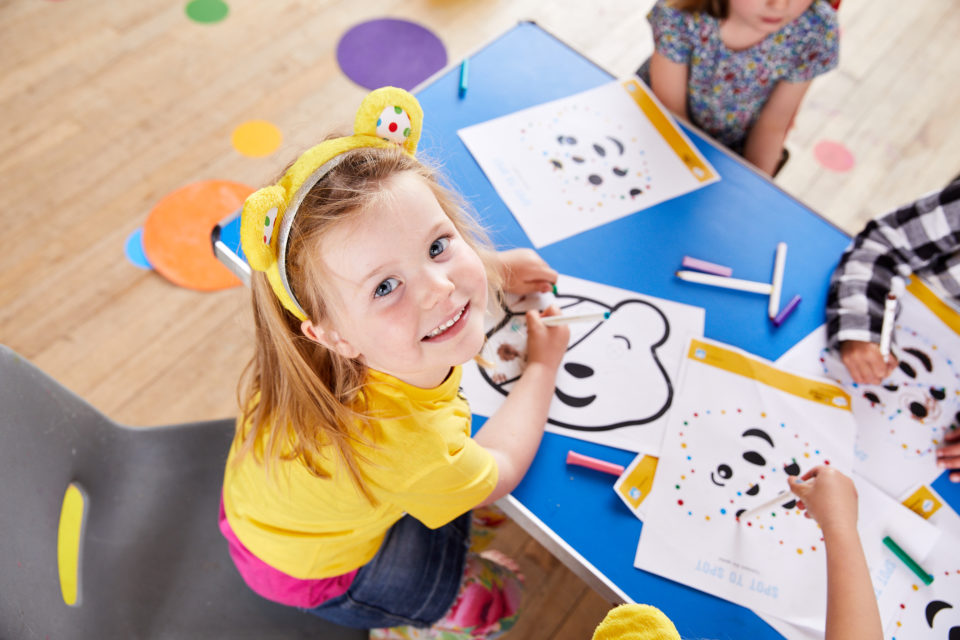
328,338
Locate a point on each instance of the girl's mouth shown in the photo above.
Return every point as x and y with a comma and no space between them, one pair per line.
452,323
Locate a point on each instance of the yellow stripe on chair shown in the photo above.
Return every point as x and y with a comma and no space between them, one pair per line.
69,536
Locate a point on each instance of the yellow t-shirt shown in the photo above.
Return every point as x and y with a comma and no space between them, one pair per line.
425,464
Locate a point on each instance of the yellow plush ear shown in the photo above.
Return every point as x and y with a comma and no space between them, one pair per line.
636,622
258,226
391,114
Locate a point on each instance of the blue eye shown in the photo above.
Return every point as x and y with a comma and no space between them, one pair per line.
439,246
386,287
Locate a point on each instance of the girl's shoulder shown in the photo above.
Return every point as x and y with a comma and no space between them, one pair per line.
819,19
663,14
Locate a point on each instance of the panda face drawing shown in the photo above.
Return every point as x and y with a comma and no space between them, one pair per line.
599,163
602,366
919,400
725,477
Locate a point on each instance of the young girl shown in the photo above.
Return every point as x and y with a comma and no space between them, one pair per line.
738,69
349,485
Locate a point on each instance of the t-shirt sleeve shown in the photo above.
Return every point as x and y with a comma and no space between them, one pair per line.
818,48
672,32
450,488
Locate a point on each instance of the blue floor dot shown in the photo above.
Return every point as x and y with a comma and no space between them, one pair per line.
134,250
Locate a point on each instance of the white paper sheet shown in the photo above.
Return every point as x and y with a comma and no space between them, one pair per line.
579,162
616,383
739,426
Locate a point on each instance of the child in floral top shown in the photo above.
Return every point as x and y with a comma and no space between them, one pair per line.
738,69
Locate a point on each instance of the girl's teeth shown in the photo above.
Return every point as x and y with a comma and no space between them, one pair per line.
446,325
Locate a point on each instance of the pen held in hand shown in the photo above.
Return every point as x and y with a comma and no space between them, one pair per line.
777,499
886,329
552,321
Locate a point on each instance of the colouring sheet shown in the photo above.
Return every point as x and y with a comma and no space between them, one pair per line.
579,162
902,421
616,382
738,428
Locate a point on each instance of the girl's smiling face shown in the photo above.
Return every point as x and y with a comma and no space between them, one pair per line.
408,293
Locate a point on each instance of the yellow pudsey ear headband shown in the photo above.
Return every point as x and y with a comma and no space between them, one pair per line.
387,117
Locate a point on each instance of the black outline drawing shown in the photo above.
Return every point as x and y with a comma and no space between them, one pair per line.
509,315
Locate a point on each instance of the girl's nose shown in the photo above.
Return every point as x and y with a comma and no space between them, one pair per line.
437,286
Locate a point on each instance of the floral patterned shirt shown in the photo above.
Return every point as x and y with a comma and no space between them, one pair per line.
727,89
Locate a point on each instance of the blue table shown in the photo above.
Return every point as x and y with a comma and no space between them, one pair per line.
737,222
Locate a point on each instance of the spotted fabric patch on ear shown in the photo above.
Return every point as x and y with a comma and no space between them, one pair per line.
394,124
268,219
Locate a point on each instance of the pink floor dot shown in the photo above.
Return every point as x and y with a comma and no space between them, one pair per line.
833,155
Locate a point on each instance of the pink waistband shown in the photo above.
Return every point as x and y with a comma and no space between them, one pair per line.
276,585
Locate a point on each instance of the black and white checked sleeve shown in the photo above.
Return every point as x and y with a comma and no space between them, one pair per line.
921,238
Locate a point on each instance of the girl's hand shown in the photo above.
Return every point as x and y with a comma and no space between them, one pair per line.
828,496
546,345
524,271
864,362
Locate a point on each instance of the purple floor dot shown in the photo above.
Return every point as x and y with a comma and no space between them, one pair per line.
390,52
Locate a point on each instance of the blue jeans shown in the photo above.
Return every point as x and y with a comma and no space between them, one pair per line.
412,581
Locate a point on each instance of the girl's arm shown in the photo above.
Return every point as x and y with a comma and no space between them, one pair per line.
765,140
919,236
512,435
668,79
831,498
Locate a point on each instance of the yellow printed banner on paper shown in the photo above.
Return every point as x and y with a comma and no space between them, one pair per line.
635,486
923,502
947,314
740,364
671,134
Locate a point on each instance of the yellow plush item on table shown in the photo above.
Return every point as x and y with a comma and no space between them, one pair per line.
388,116
636,622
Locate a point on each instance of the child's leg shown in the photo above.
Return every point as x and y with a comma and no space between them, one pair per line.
483,526
487,605
412,580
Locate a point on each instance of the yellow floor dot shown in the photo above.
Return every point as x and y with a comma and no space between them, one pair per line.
256,138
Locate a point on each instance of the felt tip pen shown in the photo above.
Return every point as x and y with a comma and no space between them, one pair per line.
552,321
907,560
787,310
464,72
886,329
726,283
779,264
783,496
594,463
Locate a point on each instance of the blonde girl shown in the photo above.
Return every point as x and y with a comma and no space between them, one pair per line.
349,485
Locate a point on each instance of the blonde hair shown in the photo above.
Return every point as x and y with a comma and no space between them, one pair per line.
299,399
719,9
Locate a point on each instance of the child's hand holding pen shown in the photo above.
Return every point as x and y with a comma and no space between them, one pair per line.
865,363
828,496
546,345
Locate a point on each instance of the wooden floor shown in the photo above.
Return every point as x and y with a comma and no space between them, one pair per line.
105,107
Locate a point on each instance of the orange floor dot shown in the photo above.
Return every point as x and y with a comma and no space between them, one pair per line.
176,235
256,138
